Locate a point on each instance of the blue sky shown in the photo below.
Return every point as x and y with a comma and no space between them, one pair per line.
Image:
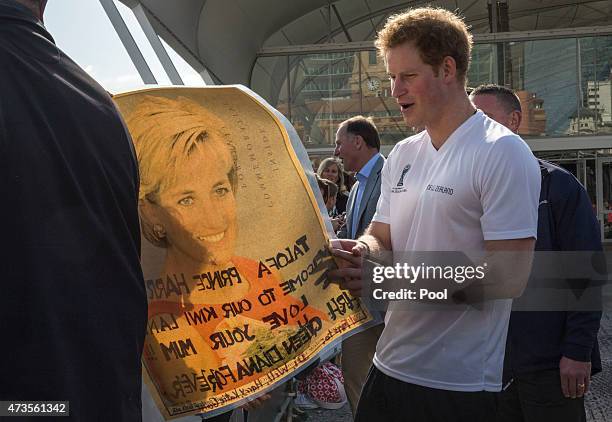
84,32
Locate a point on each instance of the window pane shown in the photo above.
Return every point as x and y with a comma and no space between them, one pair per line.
483,69
565,88
324,92
372,58
595,113
269,79
543,73
606,211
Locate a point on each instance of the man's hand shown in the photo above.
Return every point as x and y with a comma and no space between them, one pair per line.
575,377
338,222
350,253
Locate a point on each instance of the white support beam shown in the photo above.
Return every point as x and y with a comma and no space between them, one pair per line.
128,42
545,34
570,143
291,50
156,44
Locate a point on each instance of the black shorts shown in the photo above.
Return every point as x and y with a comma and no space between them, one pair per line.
384,398
538,397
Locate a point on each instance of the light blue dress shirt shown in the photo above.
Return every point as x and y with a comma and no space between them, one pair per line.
362,178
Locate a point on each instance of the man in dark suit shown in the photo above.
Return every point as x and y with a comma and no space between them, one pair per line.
550,356
73,304
358,145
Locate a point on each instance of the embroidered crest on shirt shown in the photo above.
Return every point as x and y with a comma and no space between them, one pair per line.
400,183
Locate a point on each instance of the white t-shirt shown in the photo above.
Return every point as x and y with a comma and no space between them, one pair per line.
482,184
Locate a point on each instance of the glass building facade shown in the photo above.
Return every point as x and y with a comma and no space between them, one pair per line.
564,84
565,87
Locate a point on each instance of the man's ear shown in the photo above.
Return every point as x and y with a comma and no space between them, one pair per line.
448,69
515,120
359,142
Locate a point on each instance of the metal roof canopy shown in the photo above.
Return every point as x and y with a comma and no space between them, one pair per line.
226,37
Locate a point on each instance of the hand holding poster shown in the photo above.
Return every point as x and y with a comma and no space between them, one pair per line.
234,240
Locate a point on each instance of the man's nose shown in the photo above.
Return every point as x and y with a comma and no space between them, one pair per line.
397,89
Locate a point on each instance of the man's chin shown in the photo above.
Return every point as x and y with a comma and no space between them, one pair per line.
410,122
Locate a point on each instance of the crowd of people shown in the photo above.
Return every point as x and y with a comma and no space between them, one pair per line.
467,182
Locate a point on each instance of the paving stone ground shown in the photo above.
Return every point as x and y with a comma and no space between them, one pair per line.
322,415
598,401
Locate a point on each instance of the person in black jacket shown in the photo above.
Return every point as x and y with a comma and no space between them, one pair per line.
550,356
72,303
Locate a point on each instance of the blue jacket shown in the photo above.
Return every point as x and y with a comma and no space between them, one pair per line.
369,200
566,222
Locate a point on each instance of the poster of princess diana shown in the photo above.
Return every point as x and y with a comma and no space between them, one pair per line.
234,239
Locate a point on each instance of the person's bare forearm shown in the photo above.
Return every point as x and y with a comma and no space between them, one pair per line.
375,246
501,274
505,276
377,238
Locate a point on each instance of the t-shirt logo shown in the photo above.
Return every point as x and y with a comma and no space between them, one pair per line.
400,183
440,189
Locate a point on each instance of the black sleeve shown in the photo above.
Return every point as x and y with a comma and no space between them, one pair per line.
3,98
577,229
